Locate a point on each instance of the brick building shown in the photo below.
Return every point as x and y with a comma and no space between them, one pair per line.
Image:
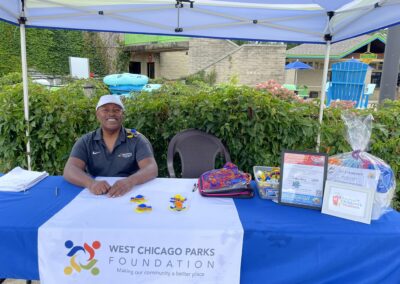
174,58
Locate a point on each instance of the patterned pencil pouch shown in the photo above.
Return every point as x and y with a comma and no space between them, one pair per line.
226,182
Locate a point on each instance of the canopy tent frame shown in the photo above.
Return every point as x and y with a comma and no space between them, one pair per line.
323,91
24,64
287,18
336,22
269,22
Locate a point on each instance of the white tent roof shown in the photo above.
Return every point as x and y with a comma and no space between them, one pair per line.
270,20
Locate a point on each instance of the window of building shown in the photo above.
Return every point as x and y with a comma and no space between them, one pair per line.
376,78
135,67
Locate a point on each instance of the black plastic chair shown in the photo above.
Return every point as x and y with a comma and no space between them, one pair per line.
27,281
197,150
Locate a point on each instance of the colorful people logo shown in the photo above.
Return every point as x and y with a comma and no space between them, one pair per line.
76,251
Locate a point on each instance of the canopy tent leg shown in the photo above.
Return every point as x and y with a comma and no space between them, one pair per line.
390,70
323,91
25,87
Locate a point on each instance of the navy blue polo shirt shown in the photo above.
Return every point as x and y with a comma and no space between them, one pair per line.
130,148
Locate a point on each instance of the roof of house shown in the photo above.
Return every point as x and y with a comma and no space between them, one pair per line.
338,50
139,39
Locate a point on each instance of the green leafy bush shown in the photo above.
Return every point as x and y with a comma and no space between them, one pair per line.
208,78
10,79
57,119
254,125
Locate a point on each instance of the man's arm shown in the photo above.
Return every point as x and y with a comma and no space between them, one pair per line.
148,170
74,172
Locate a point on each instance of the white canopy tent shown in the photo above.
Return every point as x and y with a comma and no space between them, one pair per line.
306,21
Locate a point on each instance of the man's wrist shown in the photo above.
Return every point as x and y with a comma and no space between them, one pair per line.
89,183
132,181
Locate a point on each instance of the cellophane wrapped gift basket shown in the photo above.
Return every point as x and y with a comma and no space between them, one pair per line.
363,165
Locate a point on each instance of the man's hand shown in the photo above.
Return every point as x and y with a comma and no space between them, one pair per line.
147,170
120,187
99,187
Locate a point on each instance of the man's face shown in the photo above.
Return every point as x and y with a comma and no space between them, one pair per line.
110,116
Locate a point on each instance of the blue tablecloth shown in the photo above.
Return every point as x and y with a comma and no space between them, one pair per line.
21,214
285,244
281,244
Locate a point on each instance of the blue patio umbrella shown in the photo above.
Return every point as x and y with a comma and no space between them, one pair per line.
297,65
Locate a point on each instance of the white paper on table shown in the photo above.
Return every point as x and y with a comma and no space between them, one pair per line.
19,179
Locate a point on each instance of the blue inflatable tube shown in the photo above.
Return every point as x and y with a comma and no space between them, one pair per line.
123,89
125,79
151,87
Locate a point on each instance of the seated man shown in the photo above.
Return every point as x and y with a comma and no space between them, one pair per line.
111,151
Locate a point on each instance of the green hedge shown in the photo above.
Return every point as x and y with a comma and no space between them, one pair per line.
255,126
57,119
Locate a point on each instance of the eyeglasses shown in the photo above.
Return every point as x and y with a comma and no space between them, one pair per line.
110,111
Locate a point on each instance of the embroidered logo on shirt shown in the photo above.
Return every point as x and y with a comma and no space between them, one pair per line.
125,155
95,153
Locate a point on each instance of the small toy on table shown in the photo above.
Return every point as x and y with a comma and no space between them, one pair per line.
178,203
139,199
143,208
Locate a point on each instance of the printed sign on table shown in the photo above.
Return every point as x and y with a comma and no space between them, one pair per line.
96,239
348,201
302,179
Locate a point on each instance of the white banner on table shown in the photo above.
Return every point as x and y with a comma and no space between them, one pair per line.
96,239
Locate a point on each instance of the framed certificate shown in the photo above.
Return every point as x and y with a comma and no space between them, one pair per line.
303,176
348,201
